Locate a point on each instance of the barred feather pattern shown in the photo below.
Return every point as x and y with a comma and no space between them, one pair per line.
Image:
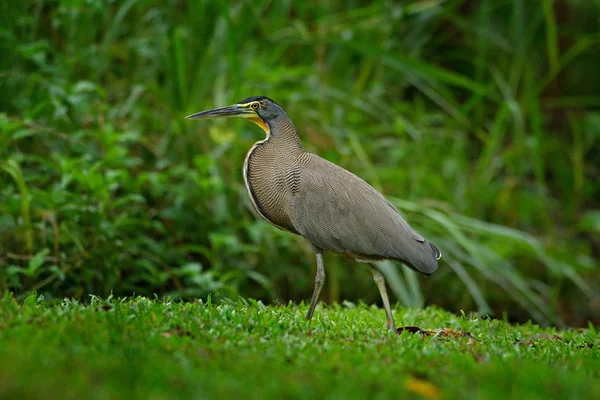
271,175
334,209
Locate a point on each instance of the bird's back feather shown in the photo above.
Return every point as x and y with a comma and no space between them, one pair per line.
336,210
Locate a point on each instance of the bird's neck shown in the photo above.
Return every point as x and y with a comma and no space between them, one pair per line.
282,137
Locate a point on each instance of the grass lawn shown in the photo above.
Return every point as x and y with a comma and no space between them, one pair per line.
151,349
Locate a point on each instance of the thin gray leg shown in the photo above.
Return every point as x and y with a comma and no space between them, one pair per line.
380,281
319,281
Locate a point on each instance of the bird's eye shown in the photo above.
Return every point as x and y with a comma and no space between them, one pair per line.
255,106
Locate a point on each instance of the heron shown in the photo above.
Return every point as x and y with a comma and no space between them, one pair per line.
334,209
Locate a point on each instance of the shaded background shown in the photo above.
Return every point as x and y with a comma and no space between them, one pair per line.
480,120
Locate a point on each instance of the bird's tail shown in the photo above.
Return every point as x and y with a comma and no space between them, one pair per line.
426,261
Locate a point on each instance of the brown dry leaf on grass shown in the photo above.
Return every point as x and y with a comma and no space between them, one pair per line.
530,341
411,329
451,333
547,336
442,332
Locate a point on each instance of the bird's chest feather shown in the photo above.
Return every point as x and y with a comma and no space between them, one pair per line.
270,180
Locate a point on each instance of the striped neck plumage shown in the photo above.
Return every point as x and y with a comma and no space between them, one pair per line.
281,130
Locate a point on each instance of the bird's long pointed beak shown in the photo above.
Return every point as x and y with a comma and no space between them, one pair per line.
229,111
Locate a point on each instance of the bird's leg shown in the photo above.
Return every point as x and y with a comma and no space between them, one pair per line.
319,281
380,281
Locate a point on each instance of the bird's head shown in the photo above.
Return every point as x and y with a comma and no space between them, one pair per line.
258,109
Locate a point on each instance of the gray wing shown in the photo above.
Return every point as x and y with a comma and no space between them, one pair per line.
336,210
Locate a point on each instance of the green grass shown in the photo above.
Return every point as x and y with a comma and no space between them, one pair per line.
151,349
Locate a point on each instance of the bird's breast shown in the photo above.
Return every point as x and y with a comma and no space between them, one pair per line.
270,182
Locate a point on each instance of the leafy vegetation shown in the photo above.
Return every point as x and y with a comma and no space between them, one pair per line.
481,116
143,349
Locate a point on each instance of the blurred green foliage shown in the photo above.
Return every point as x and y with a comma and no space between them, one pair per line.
482,116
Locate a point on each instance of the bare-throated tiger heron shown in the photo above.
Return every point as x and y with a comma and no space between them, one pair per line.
334,209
